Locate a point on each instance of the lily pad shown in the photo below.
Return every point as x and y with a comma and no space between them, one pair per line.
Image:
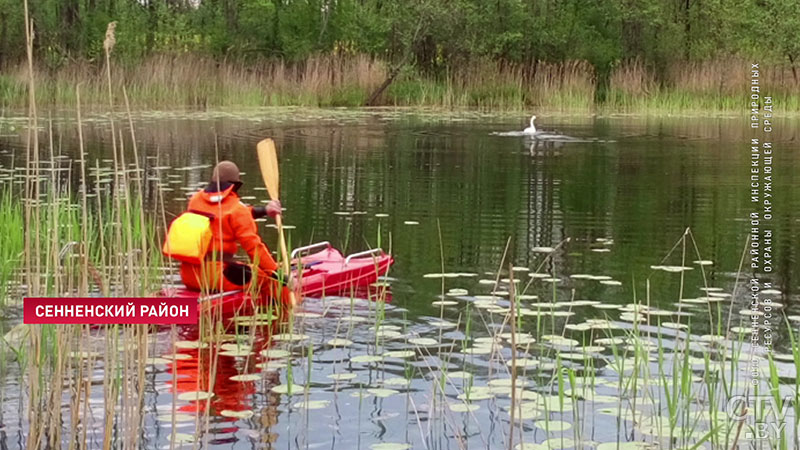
607,306
290,337
388,334
455,292
158,361
383,393
506,382
400,354
463,407
342,376
440,275
476,394
559,443
190,344
573,356
195,396
423,342
524,363
397,381
477,350
675,326
177,356
237,353
671,268
246,377
441,323
236,348
530,446
366,358
339,342
389,446
459,375
312,404
180,437
444,303
284,389
553,425
274,353
246,414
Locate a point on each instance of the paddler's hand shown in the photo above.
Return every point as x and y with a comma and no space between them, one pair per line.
274,208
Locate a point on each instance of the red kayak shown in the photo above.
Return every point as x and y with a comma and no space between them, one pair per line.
325,272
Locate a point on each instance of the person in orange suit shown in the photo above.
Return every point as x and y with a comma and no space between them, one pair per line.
233,225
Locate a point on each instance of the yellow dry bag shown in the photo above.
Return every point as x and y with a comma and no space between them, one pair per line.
188,237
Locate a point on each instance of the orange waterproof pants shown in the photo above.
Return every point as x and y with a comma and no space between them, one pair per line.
212,276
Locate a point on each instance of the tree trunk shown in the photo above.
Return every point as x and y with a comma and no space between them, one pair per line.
396,70
152,13
231,10
70,31
276,28
326,6
3,38
688,37
377,93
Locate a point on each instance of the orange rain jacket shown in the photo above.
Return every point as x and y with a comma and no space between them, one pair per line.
233,226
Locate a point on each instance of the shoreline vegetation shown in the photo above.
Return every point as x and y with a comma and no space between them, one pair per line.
650,56
193,81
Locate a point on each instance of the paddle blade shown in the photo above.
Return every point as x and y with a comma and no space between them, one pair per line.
268,162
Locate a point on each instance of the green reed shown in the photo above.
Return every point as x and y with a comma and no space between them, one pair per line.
11,226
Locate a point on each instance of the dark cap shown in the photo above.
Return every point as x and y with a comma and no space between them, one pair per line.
225,172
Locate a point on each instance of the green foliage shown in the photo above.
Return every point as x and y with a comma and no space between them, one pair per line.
440,34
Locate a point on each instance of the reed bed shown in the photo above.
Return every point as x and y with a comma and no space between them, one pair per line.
188,81
718,85
492,85
181,81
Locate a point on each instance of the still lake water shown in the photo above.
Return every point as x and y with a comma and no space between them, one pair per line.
451,196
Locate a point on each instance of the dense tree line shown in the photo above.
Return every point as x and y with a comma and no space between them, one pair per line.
433,35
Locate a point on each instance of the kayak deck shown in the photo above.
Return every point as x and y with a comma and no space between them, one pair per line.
323,272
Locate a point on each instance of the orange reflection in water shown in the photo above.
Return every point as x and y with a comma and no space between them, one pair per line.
210,369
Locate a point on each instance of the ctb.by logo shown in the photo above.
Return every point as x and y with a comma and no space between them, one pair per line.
769,418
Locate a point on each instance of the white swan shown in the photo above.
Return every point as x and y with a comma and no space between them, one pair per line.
531,129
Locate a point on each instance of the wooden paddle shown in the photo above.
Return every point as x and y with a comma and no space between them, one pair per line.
268,162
